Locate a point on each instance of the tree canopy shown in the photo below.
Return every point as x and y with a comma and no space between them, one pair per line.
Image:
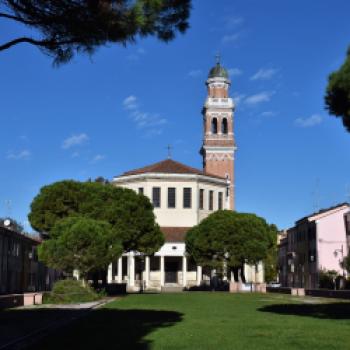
67,27
337,97
231,237
130,215
80,243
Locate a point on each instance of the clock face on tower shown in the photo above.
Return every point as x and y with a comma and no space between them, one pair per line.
218,142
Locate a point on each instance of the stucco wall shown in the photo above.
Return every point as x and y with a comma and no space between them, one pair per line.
331,236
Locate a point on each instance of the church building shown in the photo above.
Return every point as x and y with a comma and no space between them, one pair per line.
182,196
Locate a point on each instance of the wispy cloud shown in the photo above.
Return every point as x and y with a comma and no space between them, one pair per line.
135,56
238,98
268,114
130,102
75,140
97,158
264,96
309,122
233,21
24,154
264,74
195,73
233,72
152,123
230,38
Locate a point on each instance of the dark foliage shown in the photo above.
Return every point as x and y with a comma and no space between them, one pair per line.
67,27
129,214
337,97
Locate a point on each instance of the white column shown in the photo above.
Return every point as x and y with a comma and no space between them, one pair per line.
131,269
184,271
147,270
161,270
120,269
110,273
199,275
76,274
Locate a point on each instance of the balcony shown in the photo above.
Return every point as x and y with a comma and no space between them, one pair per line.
219,102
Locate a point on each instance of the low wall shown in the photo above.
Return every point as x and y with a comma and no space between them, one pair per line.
326,293
13,300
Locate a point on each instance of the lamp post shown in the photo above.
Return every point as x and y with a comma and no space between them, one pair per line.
341,251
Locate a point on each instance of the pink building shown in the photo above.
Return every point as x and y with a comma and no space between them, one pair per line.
316,242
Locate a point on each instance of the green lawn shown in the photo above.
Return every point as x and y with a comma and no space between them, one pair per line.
217,321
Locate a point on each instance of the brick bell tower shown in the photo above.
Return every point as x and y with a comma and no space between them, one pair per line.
218,147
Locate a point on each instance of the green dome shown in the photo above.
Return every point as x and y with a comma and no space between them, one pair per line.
218,72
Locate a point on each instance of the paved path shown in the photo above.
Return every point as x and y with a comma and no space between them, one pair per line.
22,326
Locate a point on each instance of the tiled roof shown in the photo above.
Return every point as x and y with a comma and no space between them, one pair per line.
174,234
168,166
322,211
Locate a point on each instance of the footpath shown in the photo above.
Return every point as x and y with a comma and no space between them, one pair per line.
23,326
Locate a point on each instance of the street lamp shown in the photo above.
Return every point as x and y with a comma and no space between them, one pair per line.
341,251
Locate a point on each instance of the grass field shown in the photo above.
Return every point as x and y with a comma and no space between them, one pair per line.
210,321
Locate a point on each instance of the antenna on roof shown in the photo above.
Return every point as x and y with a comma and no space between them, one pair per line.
169,147
347,193
8,207
316,196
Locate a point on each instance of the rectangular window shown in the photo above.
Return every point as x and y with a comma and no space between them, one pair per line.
140,190
156,197
171,197
220,200
187,197
211,200
201,199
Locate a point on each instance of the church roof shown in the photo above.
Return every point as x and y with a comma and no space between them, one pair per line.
174,234
168,166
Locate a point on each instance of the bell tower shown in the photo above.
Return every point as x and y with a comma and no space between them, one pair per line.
218,142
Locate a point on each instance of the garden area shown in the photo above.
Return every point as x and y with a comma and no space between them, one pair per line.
200,320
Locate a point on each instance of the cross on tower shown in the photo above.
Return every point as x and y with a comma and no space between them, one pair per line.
169,147
218,57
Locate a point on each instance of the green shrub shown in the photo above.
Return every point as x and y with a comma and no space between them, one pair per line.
327,279
70,291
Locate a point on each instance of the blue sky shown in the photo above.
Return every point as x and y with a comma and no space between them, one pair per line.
73,122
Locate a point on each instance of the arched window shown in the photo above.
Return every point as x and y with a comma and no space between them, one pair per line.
214,126
224,126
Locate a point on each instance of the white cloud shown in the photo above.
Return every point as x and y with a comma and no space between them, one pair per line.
130,102
268,114
195,73
233,21
74,140
233,72
152,123
264,74
238,98
97,158
75,154
255,99
229,38
311,121
24,154
133,57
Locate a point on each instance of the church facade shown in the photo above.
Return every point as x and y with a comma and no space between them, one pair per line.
182,196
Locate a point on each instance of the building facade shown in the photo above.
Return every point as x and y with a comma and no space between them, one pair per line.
317,242
20,270
182,196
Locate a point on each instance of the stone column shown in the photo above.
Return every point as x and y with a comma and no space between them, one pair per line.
147,270
120,270
131,269
184,271
110,273
162,271
199,275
